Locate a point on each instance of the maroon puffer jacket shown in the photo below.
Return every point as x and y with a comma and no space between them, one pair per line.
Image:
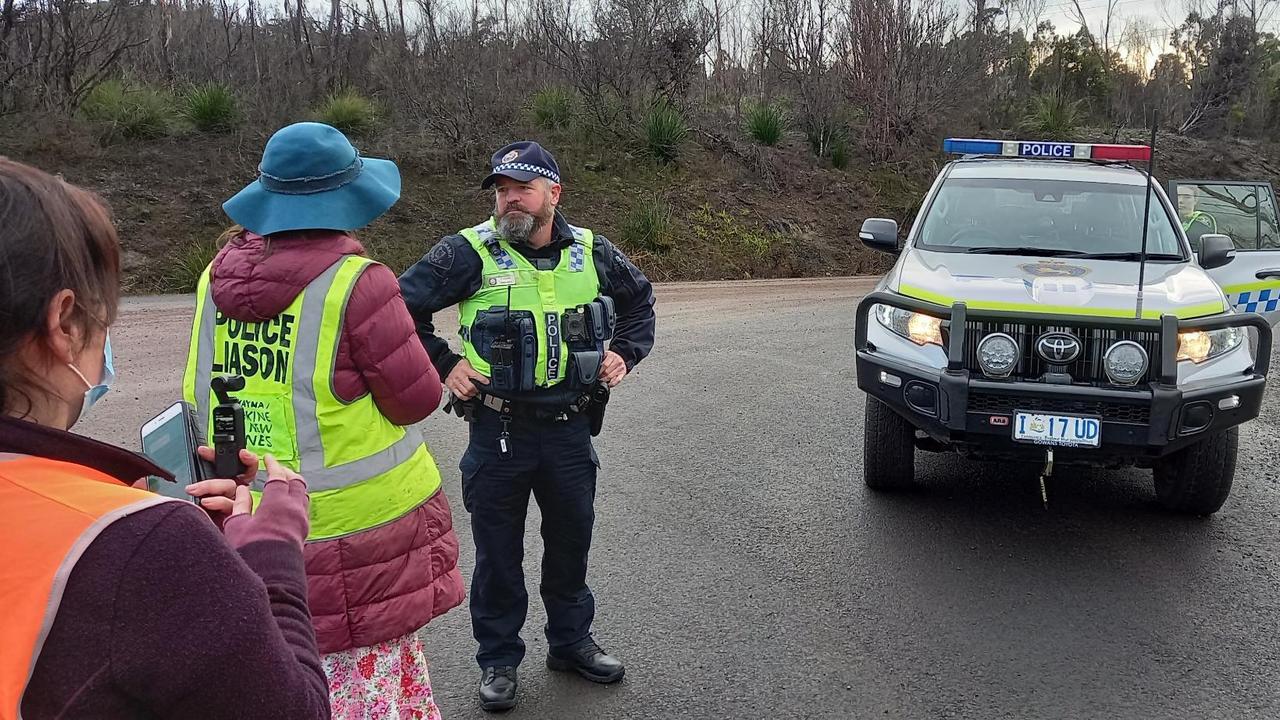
391,580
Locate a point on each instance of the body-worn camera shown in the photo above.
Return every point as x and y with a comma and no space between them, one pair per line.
227,433
576,333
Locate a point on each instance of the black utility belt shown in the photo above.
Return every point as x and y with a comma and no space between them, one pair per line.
587,402
526,410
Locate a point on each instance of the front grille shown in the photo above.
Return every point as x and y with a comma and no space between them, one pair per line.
988,403
1087,368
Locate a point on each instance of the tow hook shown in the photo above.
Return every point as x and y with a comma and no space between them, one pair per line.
1044,474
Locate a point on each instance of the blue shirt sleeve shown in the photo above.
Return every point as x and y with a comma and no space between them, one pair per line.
448,274
633,301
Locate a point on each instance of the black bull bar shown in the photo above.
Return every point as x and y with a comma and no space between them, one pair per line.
955,317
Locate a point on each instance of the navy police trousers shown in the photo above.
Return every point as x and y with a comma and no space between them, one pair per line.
556,461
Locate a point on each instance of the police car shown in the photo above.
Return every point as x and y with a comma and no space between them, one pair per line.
1022,319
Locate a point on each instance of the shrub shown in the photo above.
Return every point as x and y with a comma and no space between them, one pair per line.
647,226
187,263
553,107
823,134
212,108
765,123
350,112
839,153
1052,117
664,132
128,110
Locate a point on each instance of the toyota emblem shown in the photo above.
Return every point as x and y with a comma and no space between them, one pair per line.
1058,348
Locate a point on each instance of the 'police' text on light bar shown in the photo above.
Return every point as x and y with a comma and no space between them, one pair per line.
1050,150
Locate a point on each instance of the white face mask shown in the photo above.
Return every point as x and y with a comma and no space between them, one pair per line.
94,393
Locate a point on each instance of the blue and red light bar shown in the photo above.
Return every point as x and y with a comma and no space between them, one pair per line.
1047,150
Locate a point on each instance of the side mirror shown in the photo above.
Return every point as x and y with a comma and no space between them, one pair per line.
1216,251
880,234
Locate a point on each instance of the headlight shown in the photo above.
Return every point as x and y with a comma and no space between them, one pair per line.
1200,345
997,355
916,327
1125,362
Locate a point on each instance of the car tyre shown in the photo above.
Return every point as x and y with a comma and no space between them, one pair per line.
1196,480
888,448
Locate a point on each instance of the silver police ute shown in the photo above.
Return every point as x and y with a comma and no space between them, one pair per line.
1052,303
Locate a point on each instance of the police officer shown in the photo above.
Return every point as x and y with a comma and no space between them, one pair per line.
552,316
1195,223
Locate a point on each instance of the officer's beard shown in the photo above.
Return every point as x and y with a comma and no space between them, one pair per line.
518,225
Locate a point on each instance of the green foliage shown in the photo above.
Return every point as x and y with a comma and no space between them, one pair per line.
766,124
840,154
1237,118
1052,117
350,112
824,134
1076,67
648,225
664,133
554,107
735,233
186,265
126,110
212,108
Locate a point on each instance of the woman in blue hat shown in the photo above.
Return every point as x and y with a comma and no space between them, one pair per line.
335,378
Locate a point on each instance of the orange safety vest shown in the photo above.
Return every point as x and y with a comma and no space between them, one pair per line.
50,512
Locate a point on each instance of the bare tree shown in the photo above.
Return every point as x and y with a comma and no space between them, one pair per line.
906,78
1108,19
1023,15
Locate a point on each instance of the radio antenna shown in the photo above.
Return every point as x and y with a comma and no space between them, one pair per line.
1146,212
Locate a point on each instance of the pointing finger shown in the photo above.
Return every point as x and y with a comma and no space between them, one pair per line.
243,504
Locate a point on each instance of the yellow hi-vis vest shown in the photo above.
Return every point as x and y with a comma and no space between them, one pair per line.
361,469
544,294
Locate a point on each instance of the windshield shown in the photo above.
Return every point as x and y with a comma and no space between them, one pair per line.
1061,217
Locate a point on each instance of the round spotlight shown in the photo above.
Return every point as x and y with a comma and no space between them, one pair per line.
1125,362
997,355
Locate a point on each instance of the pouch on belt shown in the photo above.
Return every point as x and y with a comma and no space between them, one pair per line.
584,367
603,318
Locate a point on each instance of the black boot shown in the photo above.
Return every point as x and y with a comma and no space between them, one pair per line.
589,661
498,688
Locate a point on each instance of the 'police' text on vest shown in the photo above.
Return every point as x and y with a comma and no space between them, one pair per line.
257,349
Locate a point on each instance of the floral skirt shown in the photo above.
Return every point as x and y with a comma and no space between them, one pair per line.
387,680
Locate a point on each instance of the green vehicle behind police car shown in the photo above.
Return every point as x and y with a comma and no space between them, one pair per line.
1022,319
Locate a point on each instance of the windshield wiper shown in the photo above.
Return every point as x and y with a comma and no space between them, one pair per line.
1130,255
1039,251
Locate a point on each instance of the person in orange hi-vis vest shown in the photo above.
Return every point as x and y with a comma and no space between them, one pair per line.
120,603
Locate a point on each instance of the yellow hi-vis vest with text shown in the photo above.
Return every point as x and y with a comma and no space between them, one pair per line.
361,469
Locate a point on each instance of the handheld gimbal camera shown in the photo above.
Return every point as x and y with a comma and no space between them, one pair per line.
228,435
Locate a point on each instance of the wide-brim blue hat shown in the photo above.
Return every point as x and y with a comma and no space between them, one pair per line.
312,178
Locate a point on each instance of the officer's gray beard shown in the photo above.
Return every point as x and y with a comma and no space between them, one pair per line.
516,227
519,226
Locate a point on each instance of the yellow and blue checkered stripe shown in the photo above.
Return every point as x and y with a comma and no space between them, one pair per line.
577,258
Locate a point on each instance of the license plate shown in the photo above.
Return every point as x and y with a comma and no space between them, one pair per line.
1069,430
